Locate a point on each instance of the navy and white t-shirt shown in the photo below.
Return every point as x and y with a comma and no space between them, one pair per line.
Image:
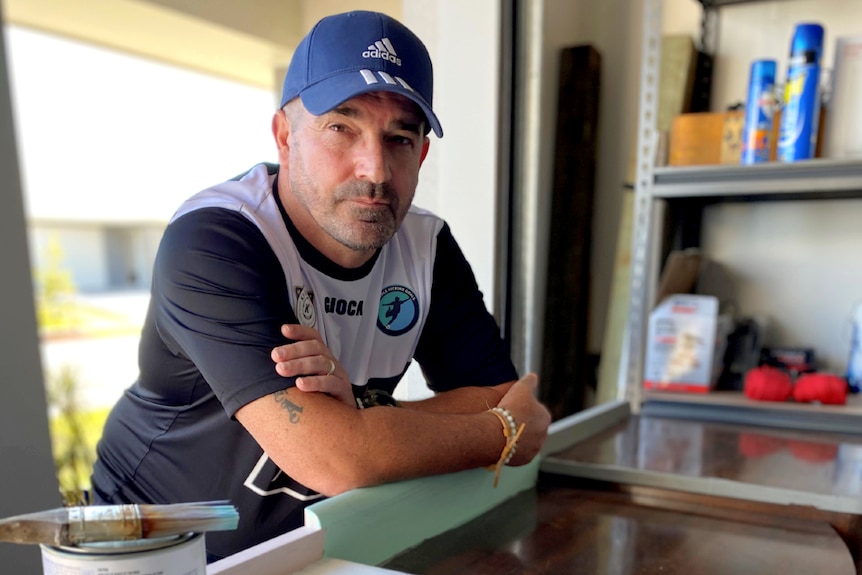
230,270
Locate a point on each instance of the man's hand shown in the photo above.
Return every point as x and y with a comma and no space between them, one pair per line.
521,402
314,365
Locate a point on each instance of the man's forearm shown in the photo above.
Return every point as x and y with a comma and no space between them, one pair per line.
330,447
461,400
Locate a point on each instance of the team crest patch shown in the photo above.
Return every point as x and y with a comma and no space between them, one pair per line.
305,306
398,310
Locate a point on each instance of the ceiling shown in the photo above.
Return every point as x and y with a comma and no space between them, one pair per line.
249,41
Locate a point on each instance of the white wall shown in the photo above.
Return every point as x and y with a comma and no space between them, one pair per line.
613,27
459,178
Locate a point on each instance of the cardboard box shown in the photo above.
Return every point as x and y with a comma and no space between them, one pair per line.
685,344
711,138
706,138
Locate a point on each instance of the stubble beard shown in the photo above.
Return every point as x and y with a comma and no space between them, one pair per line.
353,226
364,228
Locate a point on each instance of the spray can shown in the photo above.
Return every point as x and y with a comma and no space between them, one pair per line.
759,109
797,134
854,364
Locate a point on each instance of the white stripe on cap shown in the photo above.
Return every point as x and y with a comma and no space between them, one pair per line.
403,83
368,76
386,78
389,46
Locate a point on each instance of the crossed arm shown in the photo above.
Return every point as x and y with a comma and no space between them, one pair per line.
317,436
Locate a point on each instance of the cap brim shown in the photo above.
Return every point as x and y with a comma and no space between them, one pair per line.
323,96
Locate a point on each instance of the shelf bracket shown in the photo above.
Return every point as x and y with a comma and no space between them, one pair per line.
630,383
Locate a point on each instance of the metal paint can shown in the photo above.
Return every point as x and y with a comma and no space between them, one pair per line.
759,109
797,136
176,555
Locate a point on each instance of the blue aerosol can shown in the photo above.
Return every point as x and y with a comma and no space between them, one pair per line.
854,364
797,135
759,110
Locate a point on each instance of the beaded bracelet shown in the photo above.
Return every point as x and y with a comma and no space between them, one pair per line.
512,432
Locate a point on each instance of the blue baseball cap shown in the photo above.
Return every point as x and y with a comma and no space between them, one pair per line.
349,54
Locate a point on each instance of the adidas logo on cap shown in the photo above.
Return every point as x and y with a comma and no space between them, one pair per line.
382,49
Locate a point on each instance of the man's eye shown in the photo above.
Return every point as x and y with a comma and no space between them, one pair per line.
402,140
337,127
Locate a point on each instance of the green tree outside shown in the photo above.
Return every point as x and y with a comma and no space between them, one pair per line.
74,431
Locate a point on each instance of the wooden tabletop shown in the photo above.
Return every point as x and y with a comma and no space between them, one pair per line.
563,529
590,524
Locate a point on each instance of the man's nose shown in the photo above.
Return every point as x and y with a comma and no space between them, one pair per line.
372,165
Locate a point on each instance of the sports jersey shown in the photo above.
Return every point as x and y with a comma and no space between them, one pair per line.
230,270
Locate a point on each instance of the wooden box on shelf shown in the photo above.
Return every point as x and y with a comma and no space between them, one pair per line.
706,138
711,138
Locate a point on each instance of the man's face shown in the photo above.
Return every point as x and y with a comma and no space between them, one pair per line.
355,168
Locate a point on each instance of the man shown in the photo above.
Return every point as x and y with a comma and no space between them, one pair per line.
321,265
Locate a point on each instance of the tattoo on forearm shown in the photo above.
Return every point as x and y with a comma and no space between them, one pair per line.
293,409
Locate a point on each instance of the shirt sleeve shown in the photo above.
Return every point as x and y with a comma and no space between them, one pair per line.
460,343
219,300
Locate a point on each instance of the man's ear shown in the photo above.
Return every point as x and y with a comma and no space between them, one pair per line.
425,145
281,133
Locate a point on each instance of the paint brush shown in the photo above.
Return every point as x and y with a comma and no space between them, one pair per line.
75,525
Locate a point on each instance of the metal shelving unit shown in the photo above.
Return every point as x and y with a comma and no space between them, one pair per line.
812,179
817,179
643,253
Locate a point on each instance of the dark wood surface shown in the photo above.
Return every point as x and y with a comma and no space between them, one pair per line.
571,525
569,529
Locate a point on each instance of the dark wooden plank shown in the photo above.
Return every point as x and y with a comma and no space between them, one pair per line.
566,367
